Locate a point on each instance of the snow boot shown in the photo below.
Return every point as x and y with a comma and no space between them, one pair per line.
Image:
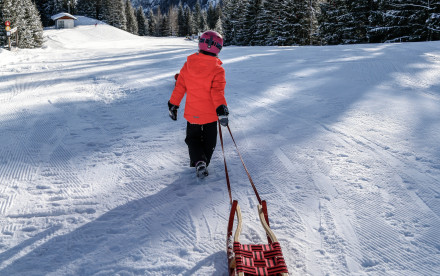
201,169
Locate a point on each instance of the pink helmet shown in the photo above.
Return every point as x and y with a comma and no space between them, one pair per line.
211,42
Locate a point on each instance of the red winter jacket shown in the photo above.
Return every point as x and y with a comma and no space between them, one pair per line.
202,78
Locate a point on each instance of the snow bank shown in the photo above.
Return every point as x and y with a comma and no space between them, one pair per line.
6,56
93,34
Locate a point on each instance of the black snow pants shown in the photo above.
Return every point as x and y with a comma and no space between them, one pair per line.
201,141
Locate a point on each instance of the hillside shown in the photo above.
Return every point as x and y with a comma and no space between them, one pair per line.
341,141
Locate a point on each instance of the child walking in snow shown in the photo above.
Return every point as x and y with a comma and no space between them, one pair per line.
202,78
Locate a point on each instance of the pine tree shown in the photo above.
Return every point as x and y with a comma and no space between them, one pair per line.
86,8
157,23
396,20
24,15
181,20
30,28
334,16
402,20
98,9
311,22
219,26
230,22
433,21
272,15
211,18
52,7
172,21
280,25
71,6
19,20
89,8
165,26
45,17
2,30
253,12
286,28
141,22
203,21
292,30
113,13
262,27
198,18
10,11
34,24
421,14
188,21
359,13
150,19
218,14
132,25
377,32
241,34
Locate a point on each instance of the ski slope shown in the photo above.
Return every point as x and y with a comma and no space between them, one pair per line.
342,141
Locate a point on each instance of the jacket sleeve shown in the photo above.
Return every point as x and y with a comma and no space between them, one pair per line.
218,88
179,89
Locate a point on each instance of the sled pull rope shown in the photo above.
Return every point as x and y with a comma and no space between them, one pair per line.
247,172
226,166
242,162
262,203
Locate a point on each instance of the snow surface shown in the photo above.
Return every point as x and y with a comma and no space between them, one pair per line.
342,141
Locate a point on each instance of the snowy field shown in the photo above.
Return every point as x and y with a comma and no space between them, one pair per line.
342,141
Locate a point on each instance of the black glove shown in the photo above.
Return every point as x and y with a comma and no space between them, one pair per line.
173,110
222,113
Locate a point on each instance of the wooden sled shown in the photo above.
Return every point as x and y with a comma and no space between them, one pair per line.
261,259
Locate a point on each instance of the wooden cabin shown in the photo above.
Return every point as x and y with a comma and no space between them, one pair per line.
64,20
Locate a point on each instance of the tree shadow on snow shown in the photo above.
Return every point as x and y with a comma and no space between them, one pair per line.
154,235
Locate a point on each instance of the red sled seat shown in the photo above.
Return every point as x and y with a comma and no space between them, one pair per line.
261,259
266,259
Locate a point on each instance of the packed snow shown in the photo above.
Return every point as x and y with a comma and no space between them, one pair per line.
342,142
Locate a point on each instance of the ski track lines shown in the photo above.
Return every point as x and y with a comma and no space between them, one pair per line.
418,234
343,238
41,158
320,249
15,165
328,239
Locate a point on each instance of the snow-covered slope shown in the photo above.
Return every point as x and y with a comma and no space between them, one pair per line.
341,141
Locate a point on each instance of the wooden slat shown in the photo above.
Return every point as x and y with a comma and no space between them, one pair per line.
265,226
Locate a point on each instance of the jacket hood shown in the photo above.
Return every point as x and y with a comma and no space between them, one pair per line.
202,65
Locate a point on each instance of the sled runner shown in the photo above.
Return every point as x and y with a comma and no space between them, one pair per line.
246,259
